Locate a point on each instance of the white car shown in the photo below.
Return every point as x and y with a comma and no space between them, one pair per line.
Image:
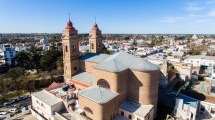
3,115
14,110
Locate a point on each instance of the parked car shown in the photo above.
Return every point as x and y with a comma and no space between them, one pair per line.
3,115
23,106
14,110
9,102
20,98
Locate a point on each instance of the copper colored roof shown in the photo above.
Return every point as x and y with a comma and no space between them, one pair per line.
55,85
69,25
95,26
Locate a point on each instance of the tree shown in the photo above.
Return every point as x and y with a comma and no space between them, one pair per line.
31,86
16,75
180,37
46,61
135,43
59,63
4,68
3,87
49,58
35,59
203,41
22,59
105,50
197,50
170,54
35,56
126,38
194,52
152,44
33,49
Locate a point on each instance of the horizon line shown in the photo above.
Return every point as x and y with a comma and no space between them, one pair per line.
114,33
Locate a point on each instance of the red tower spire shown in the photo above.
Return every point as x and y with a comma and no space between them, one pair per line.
95,26
69,24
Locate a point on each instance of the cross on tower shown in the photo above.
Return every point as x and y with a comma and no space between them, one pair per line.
95,19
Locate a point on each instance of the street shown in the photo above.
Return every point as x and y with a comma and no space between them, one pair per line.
25,102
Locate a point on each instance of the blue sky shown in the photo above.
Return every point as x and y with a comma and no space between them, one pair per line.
113,16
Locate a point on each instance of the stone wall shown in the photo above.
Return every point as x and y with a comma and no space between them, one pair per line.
143,87
87,66
117,81
140,87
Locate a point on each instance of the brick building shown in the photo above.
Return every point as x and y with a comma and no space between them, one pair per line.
109,86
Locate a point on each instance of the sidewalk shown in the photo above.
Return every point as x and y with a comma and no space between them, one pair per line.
26,117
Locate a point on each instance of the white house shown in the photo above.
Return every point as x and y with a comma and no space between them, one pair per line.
57,102
20,47
207,108
183,69
7,53
44,41
185,107
194,37
44,105
199,60
190,109
134,111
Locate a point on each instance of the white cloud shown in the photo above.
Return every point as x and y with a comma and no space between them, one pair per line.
172,19
195,13
212,13
201,20
194,7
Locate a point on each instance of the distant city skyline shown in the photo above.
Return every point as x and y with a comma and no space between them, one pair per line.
113,16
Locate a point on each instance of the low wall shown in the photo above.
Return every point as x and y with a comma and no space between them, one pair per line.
60,116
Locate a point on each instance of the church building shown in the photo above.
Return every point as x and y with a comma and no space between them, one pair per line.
109,87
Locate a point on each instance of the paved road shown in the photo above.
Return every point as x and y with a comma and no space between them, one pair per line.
13,115
24,102
26,117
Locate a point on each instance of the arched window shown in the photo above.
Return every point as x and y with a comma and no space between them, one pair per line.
88,110
98,45
74,48
103,83
92,45
75,68
66,48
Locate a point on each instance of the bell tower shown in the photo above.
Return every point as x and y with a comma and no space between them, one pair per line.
70,44
95,39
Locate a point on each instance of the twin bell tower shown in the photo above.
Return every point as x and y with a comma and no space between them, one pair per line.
70,45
